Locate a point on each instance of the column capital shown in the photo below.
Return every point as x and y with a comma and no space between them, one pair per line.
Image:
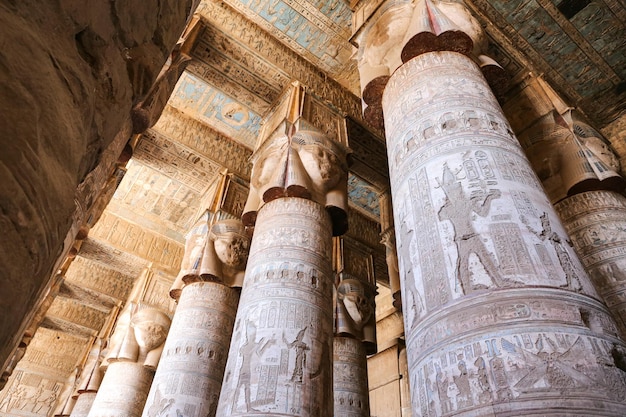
398,31
301,152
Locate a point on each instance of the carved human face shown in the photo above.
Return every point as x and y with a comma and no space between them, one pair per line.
149,335
357,304
322,165
602,151
232,249
266,167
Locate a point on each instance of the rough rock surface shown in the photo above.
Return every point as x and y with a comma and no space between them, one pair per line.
70,72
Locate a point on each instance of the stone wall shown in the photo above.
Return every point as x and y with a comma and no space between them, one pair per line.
70,72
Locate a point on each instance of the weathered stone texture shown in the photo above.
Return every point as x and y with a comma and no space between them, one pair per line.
350,378
83,404
476,238
280,359
123,391
70,72
190,372
596,223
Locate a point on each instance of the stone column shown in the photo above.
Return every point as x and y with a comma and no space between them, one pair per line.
580,173
350,378
280,359
135,351
355,327
388,238
596,222
505,320
90,381
190,373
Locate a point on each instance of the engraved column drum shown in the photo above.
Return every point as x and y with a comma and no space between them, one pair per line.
123,391
280,359
500,316
350,378
191,369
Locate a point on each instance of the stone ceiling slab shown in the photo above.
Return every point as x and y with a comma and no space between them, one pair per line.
176,161
152,198
581,51
317,30
98,259
200,137
246,35
125,236
210,105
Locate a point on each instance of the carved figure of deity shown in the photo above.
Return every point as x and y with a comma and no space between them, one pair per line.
216,254
457,210
247,350
142,339
300,348
306,165
571,272
354,314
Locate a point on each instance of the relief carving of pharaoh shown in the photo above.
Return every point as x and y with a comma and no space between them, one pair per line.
306,165
141,338
355,311
216,254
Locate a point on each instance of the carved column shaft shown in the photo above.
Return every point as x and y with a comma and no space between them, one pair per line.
580,174
123,391
499,315
190,372
596,222
355,327
350,378
83,404
280,357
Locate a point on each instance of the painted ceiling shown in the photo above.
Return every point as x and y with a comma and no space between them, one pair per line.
250,50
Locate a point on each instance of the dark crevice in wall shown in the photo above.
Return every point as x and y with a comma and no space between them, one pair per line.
570,8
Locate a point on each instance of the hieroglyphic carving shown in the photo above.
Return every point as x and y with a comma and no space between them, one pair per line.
317,31
63,361
495,369
473,217
29,394
138,241
595,222
555,40
155,197
467,240
199,137
191,369
98,277
350,378
209,104
76,312
271,50
567,261
363,229
177,161
280,357
216,57
234,199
